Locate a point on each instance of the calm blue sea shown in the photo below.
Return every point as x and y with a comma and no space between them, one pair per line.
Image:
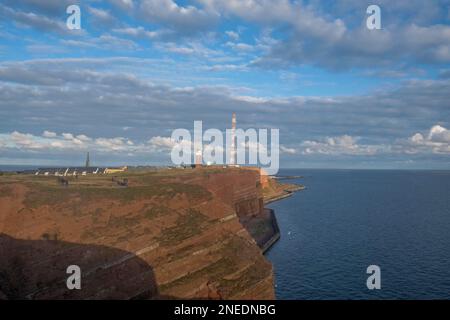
347,220
12,168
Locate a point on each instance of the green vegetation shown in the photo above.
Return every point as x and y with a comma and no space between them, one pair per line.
40,194
186,226
156,212
124,221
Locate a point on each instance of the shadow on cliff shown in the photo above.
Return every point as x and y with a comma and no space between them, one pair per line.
36,269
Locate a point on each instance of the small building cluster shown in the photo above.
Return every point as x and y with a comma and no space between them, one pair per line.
74,171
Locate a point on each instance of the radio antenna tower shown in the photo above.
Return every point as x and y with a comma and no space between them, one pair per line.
233,141
88,163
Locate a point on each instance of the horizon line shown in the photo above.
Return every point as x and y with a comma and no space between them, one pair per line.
284,168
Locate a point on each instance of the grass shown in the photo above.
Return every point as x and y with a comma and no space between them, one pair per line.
40,195
187,225
125,221
156,212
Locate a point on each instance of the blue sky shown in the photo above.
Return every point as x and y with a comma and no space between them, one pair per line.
342,95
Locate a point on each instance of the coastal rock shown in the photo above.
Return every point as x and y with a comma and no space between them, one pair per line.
169,235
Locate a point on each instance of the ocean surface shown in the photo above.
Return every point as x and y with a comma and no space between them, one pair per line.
13,168
347,220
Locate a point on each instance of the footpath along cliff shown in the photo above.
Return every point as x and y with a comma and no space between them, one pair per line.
172,234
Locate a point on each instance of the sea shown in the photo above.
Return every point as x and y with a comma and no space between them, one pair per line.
348,220
16,168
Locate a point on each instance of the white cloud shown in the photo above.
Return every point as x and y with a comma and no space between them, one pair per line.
437,141
233,35
103,42
162,142
287,150
326,39
37,21
83,137
114,144
140,32
23,140
102,17
68,136
192,48
181,50
184,19
50,141
49,134
123,4
341,145
226,67
152,108
250,99
439,134
166,144
241,46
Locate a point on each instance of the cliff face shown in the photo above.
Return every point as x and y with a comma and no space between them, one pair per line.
238,188
172,234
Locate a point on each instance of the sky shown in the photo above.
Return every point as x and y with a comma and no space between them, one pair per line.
342,96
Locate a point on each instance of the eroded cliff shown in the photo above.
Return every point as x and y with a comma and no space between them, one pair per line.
169,234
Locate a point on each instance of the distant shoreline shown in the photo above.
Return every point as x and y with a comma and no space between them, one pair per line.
287,177
286,193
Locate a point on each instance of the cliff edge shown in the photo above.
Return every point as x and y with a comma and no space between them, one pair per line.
172,234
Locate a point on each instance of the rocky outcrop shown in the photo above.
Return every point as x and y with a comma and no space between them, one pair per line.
171,234
275,191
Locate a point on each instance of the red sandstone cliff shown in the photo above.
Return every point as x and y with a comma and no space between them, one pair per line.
173,234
